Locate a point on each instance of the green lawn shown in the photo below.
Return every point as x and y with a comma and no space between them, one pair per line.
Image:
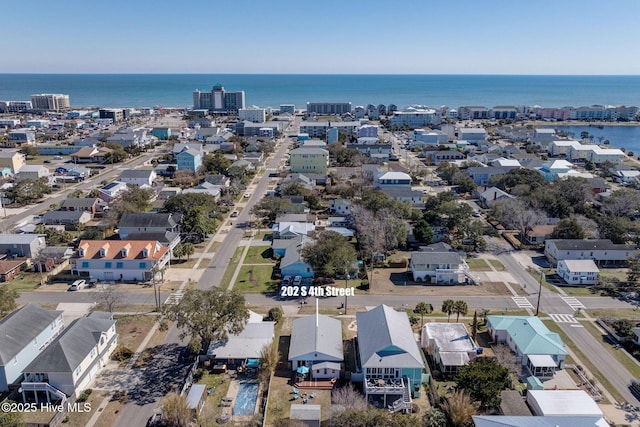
231,268
258,255
619,354
478,264
496,264
536,276
184,263
578,291
631,313
255,279
24,282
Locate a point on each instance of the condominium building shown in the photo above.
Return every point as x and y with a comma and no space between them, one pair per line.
15,106
328,107
287,108
416,118
255,115
50,101
218,100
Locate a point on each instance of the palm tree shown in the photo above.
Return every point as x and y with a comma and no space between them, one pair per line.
447,307
460,307
423,308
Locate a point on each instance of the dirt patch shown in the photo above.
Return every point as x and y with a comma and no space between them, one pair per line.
383,284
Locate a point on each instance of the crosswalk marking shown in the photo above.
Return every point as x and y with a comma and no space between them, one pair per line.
522,302
563,318
573,303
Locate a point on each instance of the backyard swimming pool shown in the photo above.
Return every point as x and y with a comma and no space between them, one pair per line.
246,398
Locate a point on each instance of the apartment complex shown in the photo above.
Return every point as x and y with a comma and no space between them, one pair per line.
50,101
328,108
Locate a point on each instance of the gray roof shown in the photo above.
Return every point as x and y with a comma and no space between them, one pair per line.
310,150
246,344
305,412
403,192
293,254
325,338
436,258
587,245
195,394
147,219
136,173
55,216
20,327
386,339
20,239
165,238
83,202
72,346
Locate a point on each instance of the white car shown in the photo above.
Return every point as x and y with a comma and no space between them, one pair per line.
247,195
77,285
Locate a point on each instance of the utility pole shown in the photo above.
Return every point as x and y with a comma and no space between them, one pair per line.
539,293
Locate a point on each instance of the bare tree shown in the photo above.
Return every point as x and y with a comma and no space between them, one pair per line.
269,357
348,398
519,215
460,409
110,297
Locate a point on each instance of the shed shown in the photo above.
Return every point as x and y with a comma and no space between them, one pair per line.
196,398
533,383
308,415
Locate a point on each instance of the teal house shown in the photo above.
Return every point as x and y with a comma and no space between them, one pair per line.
189,159
391,361
161,133
536,347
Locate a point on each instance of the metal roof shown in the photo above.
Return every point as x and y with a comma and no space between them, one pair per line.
309,337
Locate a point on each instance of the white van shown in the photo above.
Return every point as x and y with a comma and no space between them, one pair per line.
77,285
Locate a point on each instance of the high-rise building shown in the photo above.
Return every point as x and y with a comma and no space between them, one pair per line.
50,101
218,100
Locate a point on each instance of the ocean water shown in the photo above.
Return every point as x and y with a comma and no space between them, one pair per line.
618,136
175,90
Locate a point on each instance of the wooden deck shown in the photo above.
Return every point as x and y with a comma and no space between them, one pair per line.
316,384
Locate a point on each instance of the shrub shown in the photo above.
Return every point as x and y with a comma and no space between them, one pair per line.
364,285
275,314
84,395
122,353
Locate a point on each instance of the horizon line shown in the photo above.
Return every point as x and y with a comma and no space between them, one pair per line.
323,74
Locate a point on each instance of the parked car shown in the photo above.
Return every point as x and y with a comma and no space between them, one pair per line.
286,281
297,281
77,285
234,214
247,195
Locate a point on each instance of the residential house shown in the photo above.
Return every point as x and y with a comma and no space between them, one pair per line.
21,136
474,136
340,206
218,179
147,222
602,251
24,333
422,137
298,178
598,185
392,179
449,344
292,264
22,245
11,268
73,360
138,177
205,188
13,160
538,349
578,271
552,169
481,175
243,164
91,155
122,260
161,132
437,157
238,350
289,230
131,137
413,197
568,403
626,176
309,160
537,421
492,195
179,147
189,159
316,342
85,204
54,255
390,359
33,172
438,267
538,234
69,218
111,191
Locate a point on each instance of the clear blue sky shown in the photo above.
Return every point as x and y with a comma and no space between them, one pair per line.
335,37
